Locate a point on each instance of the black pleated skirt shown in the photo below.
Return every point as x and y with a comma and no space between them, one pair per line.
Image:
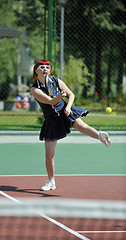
59,125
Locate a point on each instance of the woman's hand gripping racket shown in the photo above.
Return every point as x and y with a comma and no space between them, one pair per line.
53,88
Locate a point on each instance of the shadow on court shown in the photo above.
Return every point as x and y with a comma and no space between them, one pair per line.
29,191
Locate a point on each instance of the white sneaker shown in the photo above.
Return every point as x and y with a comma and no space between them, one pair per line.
104,138
49,185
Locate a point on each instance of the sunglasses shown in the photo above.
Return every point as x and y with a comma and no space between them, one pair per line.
43,67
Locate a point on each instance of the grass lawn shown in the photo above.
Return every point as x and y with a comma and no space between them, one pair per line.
99,120
107,121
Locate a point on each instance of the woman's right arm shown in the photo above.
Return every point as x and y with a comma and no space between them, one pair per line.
42,97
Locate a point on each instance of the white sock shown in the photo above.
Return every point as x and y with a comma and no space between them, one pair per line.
52,180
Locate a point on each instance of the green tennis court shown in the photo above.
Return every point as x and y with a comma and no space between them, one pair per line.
70,158
85,171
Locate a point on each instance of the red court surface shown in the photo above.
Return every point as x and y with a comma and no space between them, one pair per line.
82,187
68,187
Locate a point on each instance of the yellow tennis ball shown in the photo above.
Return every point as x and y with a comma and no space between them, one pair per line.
108,110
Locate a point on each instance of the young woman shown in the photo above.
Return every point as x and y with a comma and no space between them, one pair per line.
59,115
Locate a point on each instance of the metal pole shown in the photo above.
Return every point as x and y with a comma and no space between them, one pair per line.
45,31
54,36
50,35
62,43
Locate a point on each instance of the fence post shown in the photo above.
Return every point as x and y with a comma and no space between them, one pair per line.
62,4
54,29
50,34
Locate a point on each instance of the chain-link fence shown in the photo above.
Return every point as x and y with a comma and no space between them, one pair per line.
85,40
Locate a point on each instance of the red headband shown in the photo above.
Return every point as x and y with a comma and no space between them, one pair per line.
40,62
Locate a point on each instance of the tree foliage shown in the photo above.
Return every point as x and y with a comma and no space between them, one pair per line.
94,44
99,26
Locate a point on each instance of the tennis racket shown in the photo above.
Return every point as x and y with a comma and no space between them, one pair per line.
52,86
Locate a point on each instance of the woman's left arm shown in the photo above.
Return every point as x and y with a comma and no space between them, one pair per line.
64,88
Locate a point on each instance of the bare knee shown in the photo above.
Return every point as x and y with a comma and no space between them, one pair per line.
50,150
79,125
49,155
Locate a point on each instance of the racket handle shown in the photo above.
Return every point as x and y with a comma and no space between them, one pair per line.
66,94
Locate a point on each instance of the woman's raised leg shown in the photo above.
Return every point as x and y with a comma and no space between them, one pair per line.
86,129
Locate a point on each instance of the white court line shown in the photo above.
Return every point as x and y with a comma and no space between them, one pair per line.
63,175
49,219
101,231
8,196
64,227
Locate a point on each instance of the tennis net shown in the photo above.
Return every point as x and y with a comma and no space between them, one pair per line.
62,219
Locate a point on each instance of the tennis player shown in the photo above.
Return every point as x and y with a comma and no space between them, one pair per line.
59,115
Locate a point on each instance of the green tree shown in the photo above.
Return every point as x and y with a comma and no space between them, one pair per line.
90,29
75,77
31,19
27,17
8,55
